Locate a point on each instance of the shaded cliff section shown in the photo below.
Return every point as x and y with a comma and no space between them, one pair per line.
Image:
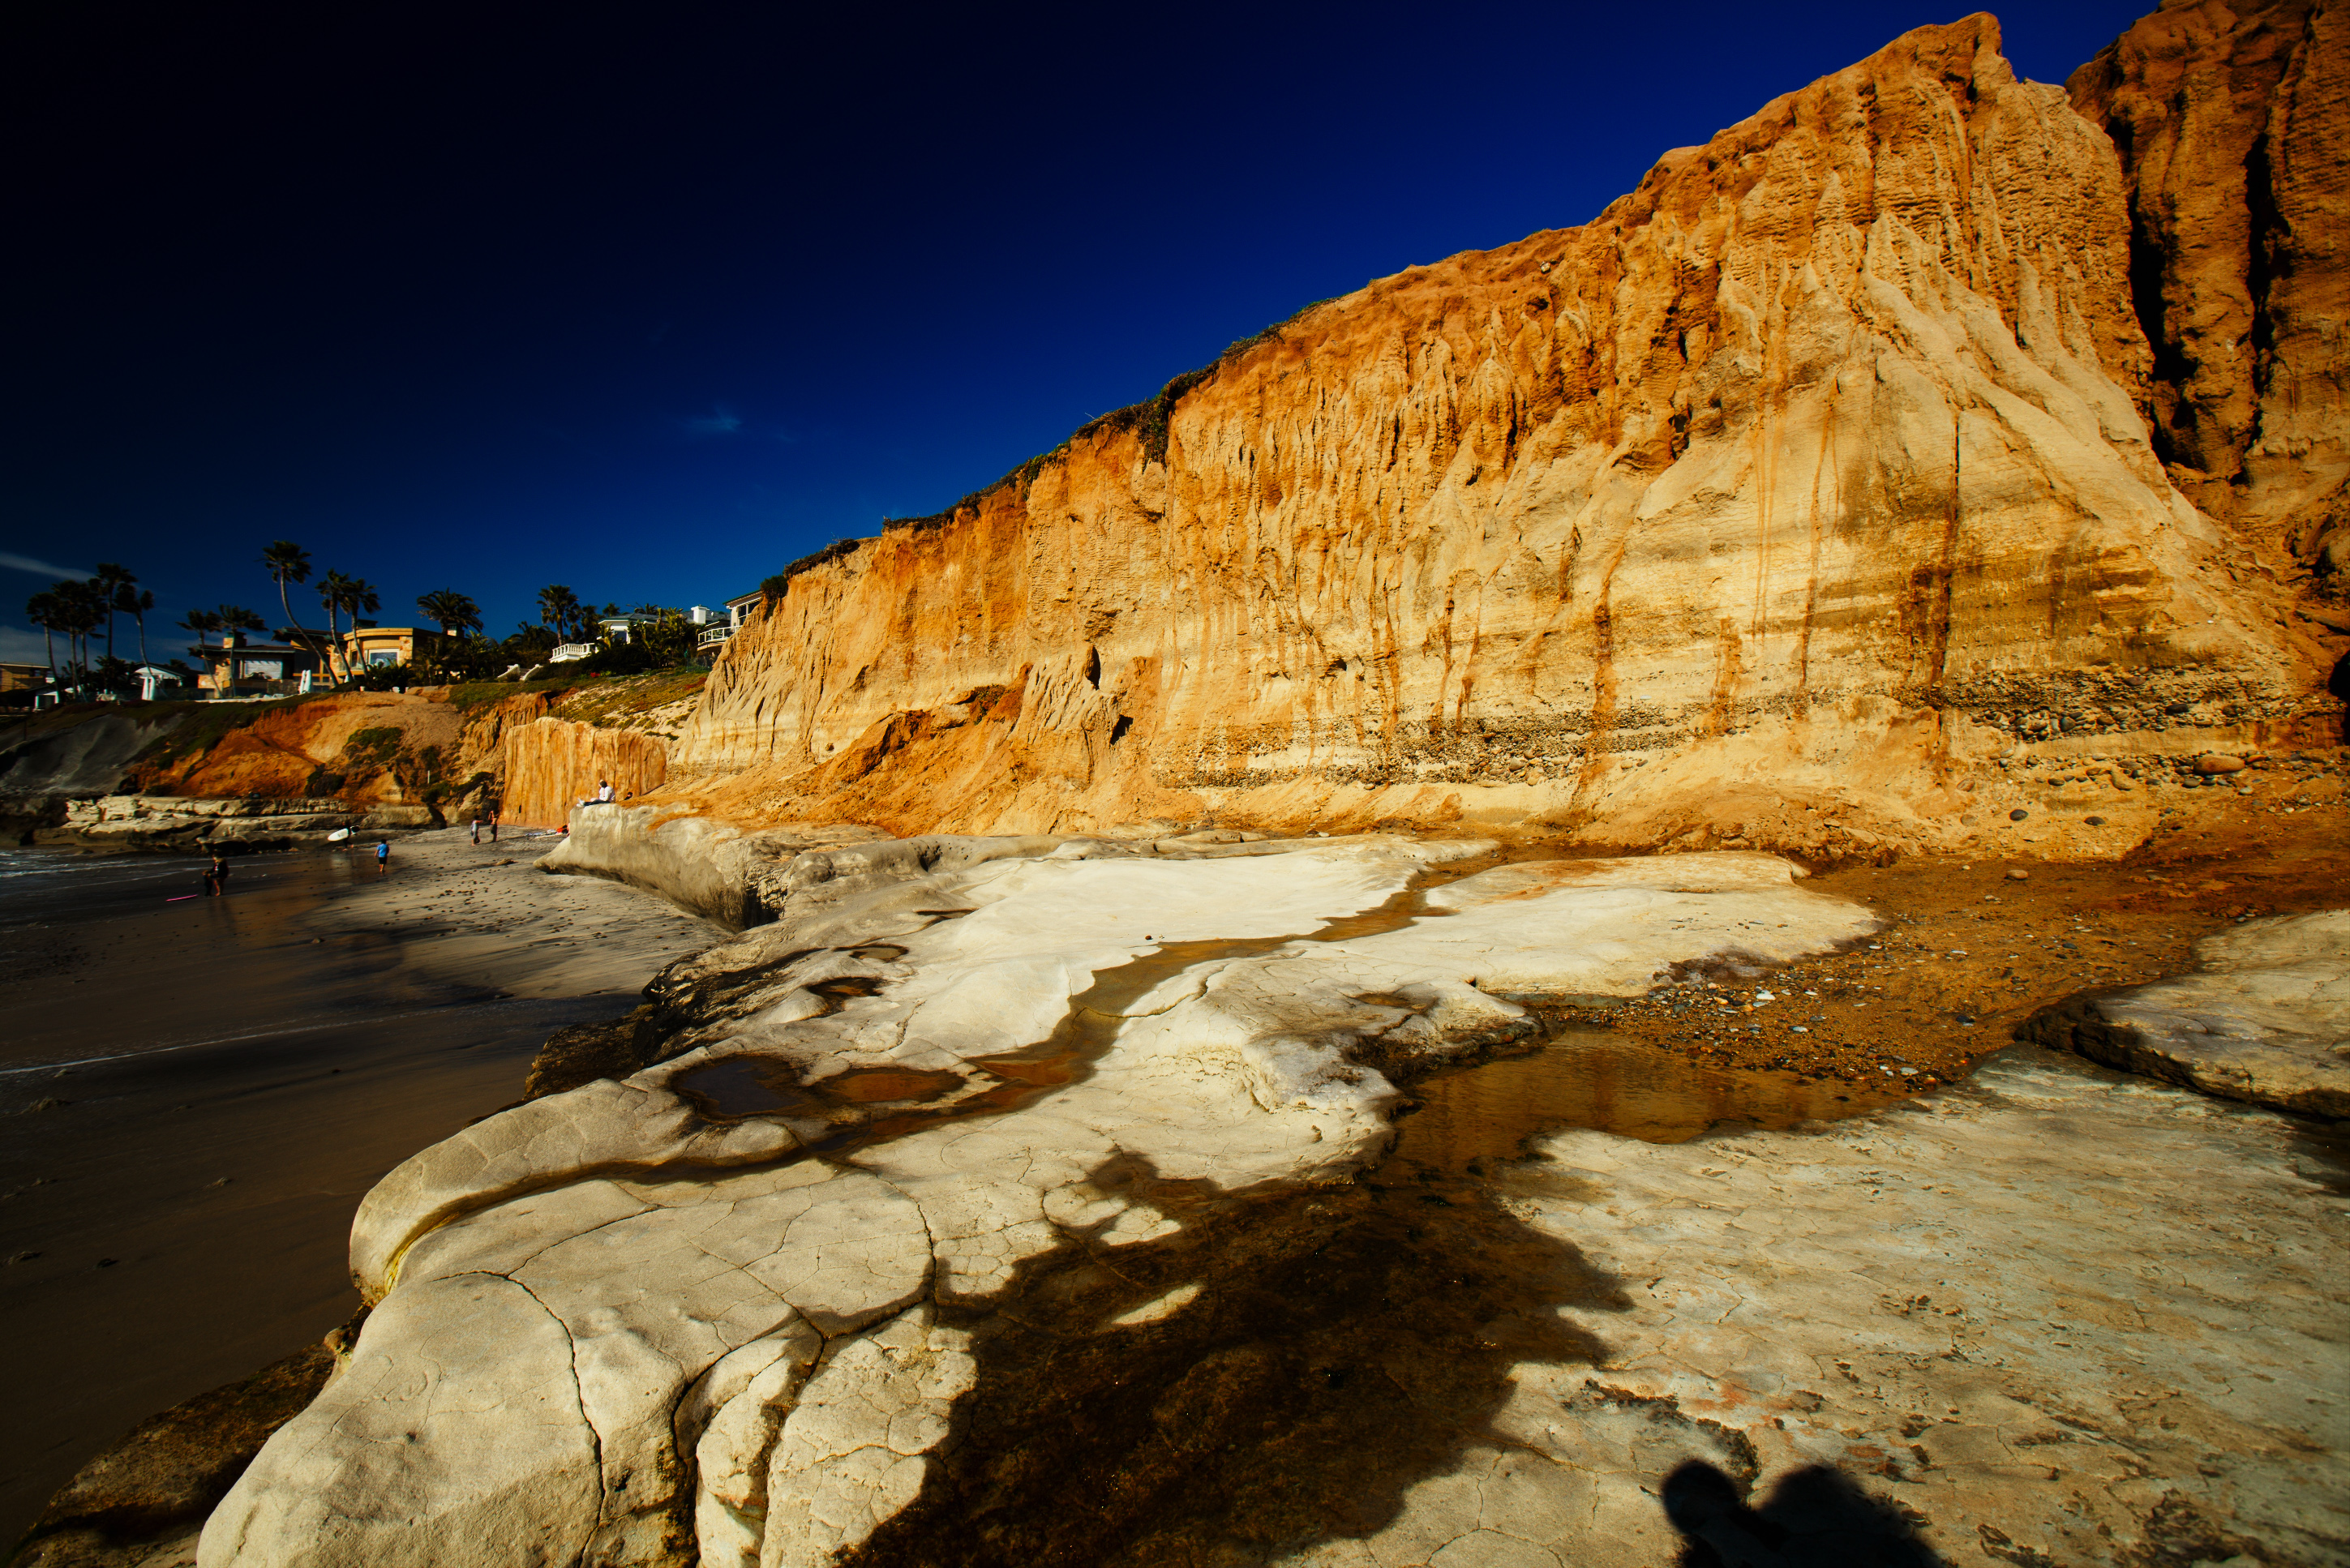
2231,123
1804,491
440,752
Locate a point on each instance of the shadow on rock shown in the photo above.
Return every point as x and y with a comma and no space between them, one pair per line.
1344,1343
1814,1518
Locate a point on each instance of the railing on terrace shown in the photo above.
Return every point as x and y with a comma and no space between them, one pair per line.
712,636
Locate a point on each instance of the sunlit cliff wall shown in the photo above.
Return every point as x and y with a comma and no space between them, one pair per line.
1793,489
550,765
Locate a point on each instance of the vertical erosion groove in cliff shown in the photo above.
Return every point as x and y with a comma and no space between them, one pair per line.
2229,122
551,764
1817,459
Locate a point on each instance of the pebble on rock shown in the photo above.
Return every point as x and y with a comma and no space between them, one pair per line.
2216,763
2018,815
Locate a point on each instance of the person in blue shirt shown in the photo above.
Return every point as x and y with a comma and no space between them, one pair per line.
382,855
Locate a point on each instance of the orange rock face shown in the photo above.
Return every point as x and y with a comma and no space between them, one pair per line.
552,765
1787,498
2232,122
306,749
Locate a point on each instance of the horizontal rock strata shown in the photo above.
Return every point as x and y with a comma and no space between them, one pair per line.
1813,473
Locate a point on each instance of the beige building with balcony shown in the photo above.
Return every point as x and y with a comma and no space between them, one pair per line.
369,644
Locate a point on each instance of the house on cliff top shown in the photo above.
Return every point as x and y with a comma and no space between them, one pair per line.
242,668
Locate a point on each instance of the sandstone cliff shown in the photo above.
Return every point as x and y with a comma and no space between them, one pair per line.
1804,494
551,764
2231,124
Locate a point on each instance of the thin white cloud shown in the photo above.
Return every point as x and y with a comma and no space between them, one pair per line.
20,646
719,421
39,568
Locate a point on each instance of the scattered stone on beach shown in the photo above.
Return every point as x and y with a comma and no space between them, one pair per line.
2266,1018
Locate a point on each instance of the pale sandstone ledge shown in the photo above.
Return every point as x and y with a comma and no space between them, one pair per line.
608,1323
2061,1319
2265,1019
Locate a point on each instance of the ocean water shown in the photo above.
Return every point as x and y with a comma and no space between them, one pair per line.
194,1094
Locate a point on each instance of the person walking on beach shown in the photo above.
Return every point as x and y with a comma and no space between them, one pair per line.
477,827
216,877
382,856
494,824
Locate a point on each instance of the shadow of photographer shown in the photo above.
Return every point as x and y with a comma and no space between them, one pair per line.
1814,1518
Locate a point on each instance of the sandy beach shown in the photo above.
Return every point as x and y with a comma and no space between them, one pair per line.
199,1092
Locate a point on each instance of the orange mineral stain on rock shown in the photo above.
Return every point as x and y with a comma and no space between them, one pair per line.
552,765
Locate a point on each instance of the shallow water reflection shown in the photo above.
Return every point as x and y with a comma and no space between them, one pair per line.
1474,1117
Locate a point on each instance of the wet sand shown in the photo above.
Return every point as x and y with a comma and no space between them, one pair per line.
199,1092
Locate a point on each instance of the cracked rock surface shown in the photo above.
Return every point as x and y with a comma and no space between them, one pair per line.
2266,1018
1977,1307
636,1321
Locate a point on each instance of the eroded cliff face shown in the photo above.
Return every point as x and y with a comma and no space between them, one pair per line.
2231,122
552,763
1790,498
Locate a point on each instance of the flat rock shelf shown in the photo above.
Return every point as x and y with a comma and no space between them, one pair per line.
1008,1201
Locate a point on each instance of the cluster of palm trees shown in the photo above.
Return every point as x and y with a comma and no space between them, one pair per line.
288,563
77,608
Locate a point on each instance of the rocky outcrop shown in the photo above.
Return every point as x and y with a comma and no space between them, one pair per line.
2265,1019
364,746
86,759
2230,120
238,826
164,1476
552,765
709,1312
1779,500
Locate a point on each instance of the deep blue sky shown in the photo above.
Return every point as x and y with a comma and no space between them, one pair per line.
652,299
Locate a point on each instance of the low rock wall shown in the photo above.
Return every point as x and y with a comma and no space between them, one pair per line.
178,825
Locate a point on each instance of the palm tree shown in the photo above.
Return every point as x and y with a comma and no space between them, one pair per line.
331,595
136,604
80,609
45,610
237,618
559,608
452,611
110,581
200,621
287,562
